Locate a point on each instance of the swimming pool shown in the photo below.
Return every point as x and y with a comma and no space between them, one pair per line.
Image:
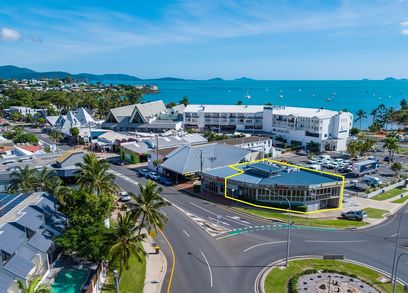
69,281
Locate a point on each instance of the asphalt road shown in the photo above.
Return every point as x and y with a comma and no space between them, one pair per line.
229,260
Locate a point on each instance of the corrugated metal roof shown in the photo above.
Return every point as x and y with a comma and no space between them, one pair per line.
150,109
5,282
61,159
31,219
19,266
10,238
296,178
186,159
40,242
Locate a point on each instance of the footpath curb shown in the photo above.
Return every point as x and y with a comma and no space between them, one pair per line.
259,285
153,281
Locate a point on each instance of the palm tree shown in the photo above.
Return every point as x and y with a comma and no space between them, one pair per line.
23,180
43,177
389,115
404,104
148,205
93,177
374,113
127,244
391,144
33,286
361,114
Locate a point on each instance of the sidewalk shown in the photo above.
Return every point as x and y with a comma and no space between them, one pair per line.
156,266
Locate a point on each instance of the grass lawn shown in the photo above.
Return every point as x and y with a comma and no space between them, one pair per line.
375,213
401,200
326,223
132,280
403,151
278,279
388,194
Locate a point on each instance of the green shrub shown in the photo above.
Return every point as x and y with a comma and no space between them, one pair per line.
196,187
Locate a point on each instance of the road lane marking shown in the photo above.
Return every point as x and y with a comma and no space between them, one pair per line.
186,233
209,268
335,241
225,236
229,217
174,260
218,221
261,244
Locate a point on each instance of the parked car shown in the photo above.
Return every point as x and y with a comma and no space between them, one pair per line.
354,215
124,196
372,181
143,172
153,175
165,181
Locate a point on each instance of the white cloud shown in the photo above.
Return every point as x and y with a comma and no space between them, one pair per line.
8,34
404,23
404,32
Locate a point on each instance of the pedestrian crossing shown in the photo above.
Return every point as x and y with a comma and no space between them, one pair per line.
277,226
120,175
210,227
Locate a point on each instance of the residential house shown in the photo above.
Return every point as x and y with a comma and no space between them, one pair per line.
28,224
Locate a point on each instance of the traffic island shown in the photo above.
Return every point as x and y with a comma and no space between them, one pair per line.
315,275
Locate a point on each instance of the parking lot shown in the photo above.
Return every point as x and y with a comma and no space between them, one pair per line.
341,164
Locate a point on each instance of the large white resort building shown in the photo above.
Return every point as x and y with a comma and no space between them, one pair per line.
298,126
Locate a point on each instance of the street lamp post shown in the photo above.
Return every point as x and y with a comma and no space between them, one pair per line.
115,276
393,277
396,271
289,221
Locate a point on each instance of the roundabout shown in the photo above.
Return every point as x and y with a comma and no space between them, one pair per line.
317,275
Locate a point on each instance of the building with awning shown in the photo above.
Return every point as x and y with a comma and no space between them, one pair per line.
189,160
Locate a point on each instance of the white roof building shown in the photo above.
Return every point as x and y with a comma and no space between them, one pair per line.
298,126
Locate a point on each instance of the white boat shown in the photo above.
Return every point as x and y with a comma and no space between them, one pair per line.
247,96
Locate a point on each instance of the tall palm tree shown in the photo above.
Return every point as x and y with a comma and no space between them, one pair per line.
148,205
361,114
391,144
93,176
374,113
127,244
389,115
23,180
33,286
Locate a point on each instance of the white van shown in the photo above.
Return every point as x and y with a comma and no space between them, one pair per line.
315,167
325,157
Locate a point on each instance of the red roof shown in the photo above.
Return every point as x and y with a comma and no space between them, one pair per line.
30,148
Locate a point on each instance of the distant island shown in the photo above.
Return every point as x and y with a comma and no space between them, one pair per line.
215,79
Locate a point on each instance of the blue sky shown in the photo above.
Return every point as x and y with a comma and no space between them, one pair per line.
276,39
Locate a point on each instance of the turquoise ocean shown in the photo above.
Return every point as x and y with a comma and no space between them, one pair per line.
352,95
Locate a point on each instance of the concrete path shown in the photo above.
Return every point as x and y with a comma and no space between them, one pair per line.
156,266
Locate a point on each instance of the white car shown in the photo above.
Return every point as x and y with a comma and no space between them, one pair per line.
124,196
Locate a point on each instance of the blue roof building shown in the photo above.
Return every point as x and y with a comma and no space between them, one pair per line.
273,183
28,223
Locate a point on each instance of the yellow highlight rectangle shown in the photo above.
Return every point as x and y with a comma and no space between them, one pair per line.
239,171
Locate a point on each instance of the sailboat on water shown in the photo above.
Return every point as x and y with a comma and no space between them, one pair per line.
247,96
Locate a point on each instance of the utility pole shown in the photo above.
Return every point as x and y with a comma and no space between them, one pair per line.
201,164
157,153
